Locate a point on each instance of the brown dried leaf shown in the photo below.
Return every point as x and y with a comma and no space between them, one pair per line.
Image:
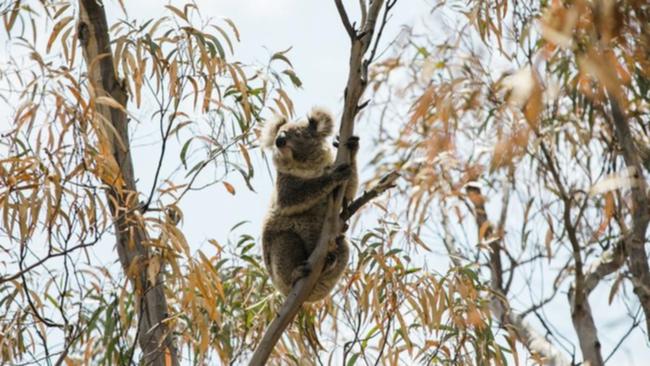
153,269
56,30
548,240
615,287
229,187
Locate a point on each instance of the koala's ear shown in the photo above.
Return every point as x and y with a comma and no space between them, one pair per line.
267,139
321,121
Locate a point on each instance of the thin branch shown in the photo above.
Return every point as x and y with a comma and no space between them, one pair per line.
389,6
635,323
344,19
385,183
43,260
164,135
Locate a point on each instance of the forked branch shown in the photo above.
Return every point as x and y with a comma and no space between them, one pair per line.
526,334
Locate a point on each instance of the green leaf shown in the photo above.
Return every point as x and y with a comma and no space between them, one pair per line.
294,78
281,56
353,359
186,146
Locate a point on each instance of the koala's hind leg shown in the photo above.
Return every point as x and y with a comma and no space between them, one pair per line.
286,252
335,264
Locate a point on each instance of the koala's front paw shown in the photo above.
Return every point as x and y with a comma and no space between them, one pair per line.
300,272
345,226
353,144
342,172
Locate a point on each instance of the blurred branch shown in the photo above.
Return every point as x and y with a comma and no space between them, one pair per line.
581,314
635,246
332,226
608,263
526,334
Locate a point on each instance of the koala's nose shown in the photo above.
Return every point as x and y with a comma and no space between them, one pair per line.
281,141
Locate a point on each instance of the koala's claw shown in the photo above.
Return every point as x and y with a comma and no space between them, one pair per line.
300,272
352,143
330,260
346,226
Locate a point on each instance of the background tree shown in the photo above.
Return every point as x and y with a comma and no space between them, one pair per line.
532,120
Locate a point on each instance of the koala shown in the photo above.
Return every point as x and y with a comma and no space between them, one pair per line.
303,160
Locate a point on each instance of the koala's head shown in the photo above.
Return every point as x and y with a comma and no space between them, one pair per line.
300,148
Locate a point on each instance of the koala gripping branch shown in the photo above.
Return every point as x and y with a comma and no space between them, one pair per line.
360,58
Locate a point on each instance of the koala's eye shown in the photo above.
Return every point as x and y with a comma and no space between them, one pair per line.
313,124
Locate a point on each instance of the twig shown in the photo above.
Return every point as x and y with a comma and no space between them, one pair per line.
344,19
635,247
385,183
43,260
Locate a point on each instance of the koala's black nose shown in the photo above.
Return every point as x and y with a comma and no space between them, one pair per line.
280,141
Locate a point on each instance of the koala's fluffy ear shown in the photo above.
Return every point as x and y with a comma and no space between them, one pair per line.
321,120
270,129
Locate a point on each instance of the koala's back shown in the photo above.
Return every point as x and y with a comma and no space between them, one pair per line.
307,223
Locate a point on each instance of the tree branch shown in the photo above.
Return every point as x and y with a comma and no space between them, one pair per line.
637,256
355,87
608,263
385,183
581,314
499,305
344,19
43,260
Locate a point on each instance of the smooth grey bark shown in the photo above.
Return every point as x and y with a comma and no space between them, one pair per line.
154,337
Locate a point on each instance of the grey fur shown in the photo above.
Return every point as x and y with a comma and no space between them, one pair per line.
305,178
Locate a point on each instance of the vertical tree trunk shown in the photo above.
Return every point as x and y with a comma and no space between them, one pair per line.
583,323
153,334
635,245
